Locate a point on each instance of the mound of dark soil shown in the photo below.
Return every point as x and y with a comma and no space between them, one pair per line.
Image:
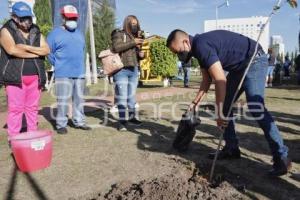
184,186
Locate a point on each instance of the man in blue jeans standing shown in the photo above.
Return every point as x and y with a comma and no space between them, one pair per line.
67,45
187,72
222,50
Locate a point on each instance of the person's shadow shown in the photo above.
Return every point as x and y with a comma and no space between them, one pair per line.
159,138
97,110
156,136
33,183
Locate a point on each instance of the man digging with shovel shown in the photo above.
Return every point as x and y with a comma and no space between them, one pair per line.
219,51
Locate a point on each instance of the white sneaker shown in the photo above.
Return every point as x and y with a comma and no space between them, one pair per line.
270,85
137,105
266,85
113,109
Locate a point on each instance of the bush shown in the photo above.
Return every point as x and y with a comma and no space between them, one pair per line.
42,10
164,62
297,63
195,63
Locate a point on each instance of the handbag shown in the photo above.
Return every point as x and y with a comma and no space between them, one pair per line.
112,62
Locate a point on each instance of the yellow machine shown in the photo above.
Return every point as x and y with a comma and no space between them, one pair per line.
145,64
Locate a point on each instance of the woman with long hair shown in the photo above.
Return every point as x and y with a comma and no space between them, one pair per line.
127,43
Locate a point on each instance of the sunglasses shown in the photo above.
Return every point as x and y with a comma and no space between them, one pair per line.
25,19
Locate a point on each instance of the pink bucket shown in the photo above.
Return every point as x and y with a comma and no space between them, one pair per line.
32,150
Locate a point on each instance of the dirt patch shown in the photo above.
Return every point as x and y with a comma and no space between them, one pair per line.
184,185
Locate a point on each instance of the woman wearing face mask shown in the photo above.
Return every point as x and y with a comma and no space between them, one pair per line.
127,43
22,67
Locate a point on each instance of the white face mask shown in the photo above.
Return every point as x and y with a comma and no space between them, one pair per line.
71,25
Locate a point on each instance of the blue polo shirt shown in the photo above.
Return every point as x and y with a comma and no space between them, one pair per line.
230,48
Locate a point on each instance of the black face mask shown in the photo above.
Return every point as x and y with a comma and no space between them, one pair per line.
24,23
134,29
184,56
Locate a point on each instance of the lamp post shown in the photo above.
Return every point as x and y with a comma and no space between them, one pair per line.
226,3
92,40
299,35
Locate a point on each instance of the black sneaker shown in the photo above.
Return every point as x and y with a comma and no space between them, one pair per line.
62,131
281,167
122,126
226,153
135,121
84,127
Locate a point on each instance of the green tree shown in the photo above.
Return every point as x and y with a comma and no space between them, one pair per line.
195,63
287,54
104,24
297,63
164,62
292,60
281,57
3,21
42,10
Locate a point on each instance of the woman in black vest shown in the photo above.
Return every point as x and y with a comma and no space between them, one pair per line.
22,67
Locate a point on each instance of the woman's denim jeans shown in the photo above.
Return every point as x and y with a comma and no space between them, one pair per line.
126,81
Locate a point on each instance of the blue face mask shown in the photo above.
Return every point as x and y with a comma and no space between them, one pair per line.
71,25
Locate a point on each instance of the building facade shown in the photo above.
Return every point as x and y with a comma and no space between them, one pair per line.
249,27
277,45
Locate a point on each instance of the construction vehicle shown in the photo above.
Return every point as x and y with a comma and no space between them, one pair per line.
146,75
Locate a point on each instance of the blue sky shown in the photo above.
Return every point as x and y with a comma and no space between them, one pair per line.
162,16
3,9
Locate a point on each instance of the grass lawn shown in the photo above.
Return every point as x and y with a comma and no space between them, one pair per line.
85,164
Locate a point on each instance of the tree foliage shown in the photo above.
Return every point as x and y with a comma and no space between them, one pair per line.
195,63
164,62
287,54
42,11
297,63
3,21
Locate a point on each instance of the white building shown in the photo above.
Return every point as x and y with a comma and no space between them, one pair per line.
249,27
277,44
